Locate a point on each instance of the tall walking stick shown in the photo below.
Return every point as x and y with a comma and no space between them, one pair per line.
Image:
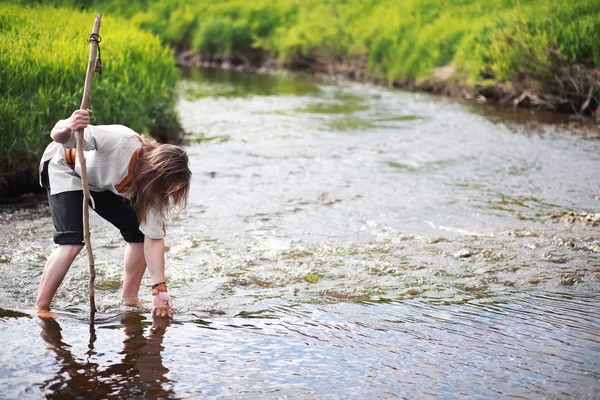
93,66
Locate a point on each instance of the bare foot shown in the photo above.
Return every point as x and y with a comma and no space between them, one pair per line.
132,301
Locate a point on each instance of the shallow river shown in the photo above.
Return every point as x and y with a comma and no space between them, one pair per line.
342,241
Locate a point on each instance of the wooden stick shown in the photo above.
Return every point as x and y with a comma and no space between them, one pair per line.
87,198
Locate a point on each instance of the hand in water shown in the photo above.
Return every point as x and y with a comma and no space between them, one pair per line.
162,305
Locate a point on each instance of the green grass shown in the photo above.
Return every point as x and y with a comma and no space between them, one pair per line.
551,47
491,42
487,41
43,59
398,39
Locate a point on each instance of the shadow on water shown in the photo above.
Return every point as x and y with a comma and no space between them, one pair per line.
536,120
28,202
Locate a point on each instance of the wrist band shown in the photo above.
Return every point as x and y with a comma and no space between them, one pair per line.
159,287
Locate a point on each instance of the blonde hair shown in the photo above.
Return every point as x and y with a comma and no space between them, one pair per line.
161,179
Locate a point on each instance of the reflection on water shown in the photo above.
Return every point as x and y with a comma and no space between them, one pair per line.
515,344
342,240
140,372
230,84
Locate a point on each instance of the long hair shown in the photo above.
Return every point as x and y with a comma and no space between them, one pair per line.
161,179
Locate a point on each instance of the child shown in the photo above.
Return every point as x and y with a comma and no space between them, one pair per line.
134,182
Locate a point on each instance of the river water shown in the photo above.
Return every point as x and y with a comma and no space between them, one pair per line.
342,241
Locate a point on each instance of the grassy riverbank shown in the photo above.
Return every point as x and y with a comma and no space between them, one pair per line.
43,58
543,53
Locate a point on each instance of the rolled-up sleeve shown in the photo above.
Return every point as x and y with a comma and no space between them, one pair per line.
155,226
102,138
89,141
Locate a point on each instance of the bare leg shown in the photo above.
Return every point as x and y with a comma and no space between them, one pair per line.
135,266
55,270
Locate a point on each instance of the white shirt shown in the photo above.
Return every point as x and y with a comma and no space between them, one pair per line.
108,152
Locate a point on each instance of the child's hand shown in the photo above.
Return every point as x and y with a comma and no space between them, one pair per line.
79,120
162,305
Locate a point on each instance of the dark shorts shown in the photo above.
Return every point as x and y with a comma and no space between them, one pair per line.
67,214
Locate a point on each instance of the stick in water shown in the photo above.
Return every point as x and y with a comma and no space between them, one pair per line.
87,198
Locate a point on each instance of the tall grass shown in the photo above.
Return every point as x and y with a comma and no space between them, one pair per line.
43,58
43,50
492,40
533,39
551,47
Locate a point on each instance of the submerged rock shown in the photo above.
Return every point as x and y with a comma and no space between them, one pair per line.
463,253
